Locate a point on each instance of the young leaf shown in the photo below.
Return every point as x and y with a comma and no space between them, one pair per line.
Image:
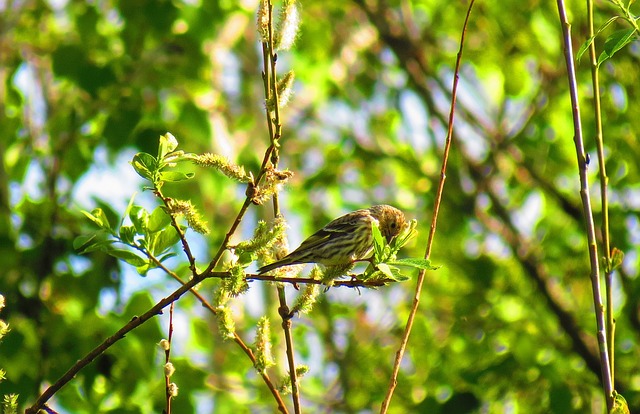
139,218
98,217
145,165
378,242
167,144
615,42
384,268
175,176
414,262
162,241
129,257
92,242
590,40
158,220
127,234
128,209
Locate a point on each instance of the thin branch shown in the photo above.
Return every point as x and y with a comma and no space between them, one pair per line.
604,180
176,226
586,206
270,81
236,338
421,276
167,359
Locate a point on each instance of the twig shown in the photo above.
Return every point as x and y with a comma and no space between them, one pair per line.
586,207
604,180
183,238
236,338
274,125
445,157
167,359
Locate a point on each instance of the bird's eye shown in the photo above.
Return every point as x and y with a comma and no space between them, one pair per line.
393,225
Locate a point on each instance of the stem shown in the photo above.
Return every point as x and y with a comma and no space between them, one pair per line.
167,358
445,157
604,180
586,207
274,125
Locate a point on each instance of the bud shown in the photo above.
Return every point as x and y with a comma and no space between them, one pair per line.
263,20
264,358
173,390
288,25
169,369
164,344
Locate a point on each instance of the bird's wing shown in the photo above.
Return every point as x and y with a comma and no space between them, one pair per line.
340,227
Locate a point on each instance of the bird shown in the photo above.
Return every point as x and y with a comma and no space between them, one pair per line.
346,239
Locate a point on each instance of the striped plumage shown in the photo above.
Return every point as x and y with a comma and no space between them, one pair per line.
346,239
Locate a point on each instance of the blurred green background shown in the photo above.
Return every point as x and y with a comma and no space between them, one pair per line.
505,326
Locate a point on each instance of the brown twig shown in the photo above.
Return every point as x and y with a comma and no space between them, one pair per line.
445,157
167,359
183,239
236,338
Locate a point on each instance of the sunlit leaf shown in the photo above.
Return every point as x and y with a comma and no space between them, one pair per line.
139,218
129,257
615,42
167,144
414,262
158,220
145,165
98,217
175,176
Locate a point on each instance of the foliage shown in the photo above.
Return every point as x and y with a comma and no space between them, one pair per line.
506,324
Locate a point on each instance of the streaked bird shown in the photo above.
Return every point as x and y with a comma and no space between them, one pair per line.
346,239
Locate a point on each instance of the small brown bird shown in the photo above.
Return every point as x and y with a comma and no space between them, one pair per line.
346,239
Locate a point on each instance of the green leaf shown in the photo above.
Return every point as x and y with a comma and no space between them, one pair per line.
175,176
161,241
129,257
145,165
100,240
166,256
620,405
590,40
128,209
139,218
414,262
245,258
127,234
615,42
167,144
384,268
158,220
584,47
378,241
142,270
399,276
98,217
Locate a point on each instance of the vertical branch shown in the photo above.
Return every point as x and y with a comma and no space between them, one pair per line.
604,181
586,206
445,157
270,81
167,358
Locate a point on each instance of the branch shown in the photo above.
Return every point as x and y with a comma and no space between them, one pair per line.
416,299
586,206
134,323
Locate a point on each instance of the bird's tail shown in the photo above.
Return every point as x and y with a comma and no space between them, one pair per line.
282,262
